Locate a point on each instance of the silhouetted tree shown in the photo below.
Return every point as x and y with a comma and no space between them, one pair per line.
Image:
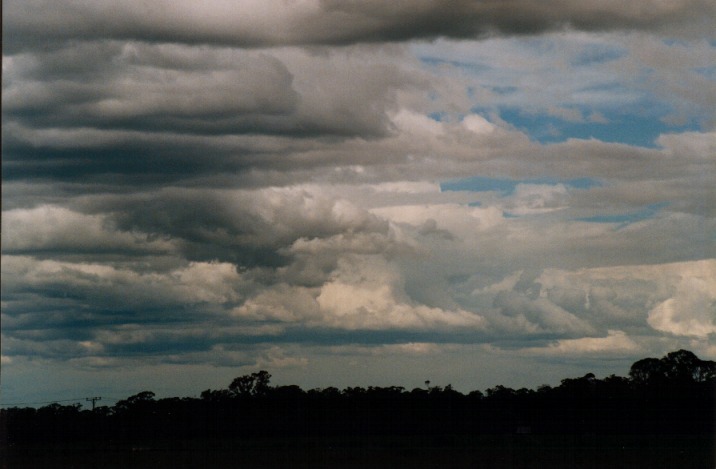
251,385
672,395
647,371
684,366
681,366
215,395
136,403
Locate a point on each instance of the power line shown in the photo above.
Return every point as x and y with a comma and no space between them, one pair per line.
41,402
93,400
54,401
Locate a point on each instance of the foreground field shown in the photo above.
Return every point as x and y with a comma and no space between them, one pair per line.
484,451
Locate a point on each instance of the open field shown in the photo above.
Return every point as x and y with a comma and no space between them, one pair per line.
483,451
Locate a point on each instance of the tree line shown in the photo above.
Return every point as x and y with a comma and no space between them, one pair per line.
675,394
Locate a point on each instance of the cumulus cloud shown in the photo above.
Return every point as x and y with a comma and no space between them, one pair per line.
57,230
119,288
675,298
312,185
246,227
370,295
363,293
691,311
540,315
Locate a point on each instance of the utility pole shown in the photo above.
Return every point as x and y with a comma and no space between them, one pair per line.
93,399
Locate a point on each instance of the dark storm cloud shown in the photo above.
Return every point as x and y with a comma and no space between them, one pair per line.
247,228
138,113
124,89
32,24
120,157
152,89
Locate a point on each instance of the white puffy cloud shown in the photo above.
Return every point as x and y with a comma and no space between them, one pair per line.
478,124
370,307
691,309
363,293
674,298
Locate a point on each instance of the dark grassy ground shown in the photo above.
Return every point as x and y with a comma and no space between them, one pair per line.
483,451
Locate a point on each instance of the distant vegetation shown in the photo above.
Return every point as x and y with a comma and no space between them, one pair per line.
673,395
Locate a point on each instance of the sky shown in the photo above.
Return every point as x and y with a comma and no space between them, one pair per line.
353,193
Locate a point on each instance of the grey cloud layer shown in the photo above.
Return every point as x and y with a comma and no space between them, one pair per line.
196,90
164,112
270,23
182,185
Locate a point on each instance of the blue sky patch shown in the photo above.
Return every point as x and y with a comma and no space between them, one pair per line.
640,129
597,54
625,219
471,67
507,186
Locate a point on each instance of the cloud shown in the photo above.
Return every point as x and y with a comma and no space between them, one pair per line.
674,298
312,185
101,286
616,342
172,88
57,230
691,311
362,293
252,23
539,315
141,86
537,198
369,295
246,227
277,358
140,113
